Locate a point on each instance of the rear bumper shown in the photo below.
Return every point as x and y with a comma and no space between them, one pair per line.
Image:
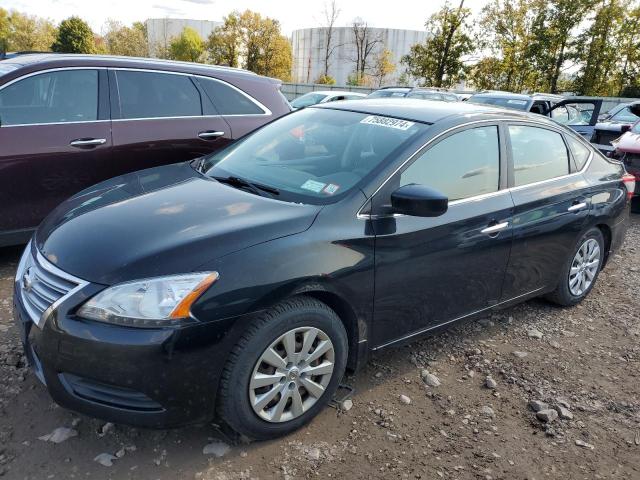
150,378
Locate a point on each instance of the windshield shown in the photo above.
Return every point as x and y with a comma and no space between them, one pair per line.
624,115
308,99
313,155
506,102
388,93
636,128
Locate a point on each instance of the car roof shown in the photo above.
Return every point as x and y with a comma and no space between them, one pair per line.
427,112
54,60
518,96
336,92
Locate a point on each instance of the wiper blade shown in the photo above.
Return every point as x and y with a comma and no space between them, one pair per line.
256,188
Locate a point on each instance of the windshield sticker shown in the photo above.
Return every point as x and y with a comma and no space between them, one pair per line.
313,186
387,122
331,189
517,102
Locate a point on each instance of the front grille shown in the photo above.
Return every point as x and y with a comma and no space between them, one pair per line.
109,395
42,285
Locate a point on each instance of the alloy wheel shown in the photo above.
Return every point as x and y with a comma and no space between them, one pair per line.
291,374
584,267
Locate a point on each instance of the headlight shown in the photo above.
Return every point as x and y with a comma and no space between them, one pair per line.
154,302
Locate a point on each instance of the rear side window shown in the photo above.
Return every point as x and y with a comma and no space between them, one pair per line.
463,165
157,95
52,97
228,100
580,152
538,154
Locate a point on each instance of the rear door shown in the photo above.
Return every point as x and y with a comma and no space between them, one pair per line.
551,206
161,118
55,139
240,110
579,114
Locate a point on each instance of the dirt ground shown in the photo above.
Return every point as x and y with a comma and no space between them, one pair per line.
582,361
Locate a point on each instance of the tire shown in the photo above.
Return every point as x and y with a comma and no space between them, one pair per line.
567,295
635,204
299,318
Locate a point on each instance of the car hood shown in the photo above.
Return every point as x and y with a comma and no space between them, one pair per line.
629,142
161,221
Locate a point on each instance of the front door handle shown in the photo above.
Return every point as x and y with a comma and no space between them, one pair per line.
576,207
87,142
493,229
210,135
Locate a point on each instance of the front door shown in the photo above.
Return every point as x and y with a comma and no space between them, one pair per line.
430,271
55,135
160,118
579,114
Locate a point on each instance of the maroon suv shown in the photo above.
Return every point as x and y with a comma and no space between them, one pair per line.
69,121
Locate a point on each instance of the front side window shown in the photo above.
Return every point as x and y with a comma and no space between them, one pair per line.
314,155
228,100
462,165
157,95
53,97
538,154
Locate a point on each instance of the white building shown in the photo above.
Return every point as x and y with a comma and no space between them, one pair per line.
309,47
160,31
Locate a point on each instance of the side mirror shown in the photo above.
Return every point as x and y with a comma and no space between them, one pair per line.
419,201
625,128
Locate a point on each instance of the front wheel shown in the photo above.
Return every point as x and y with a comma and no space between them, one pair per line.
284,369
581,270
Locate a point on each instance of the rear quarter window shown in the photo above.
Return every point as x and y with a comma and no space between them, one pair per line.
227,99
580,152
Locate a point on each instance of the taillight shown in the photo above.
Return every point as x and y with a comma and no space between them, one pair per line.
629,182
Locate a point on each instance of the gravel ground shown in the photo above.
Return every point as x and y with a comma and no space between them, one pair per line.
460,405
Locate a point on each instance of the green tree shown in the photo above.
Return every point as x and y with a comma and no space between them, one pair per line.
225,42
251,41
74,36
4,31
439,61
628,78
383,67
325,80
598,52
126,41
29,32
188,46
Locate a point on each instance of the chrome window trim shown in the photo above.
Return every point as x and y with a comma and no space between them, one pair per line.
49,70
474,198
52,123
191,117
265,110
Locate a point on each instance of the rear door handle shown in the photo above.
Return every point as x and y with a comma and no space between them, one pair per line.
88,142
492,229
210,135
576,207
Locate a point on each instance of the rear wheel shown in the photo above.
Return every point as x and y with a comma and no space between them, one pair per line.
635,204
284,369
581,270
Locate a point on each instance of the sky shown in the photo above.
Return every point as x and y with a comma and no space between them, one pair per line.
292,14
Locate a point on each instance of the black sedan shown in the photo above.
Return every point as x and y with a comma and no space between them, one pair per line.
243,284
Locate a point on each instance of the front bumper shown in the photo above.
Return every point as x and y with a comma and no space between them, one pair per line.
143,377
